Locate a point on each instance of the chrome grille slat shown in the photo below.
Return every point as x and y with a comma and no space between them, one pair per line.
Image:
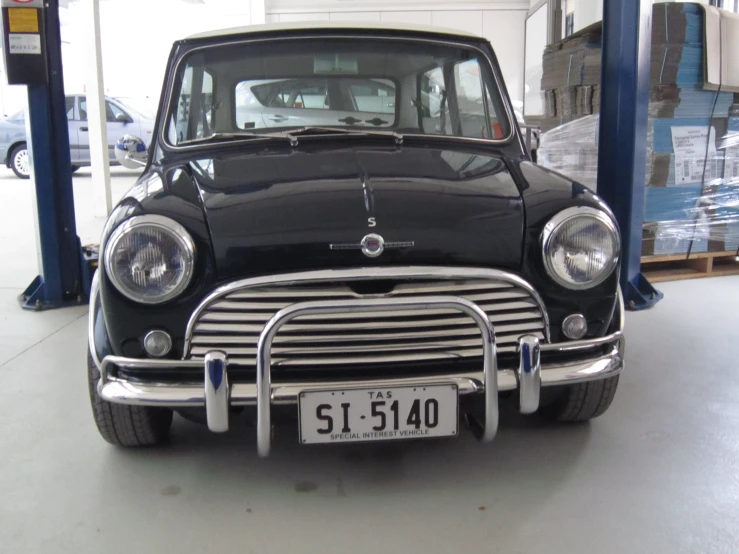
232,322
347,350
457,353
402,289
471,331
522,304
244,304
231,317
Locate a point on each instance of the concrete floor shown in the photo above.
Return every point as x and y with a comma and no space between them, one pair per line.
658,473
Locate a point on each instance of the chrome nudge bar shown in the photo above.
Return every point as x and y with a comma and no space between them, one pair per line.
333,307
205,382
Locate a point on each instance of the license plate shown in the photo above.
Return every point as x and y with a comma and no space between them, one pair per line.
378,414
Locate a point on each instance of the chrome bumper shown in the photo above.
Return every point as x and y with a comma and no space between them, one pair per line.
216,394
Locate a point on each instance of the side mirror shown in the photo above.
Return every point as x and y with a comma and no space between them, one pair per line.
123,118
131,152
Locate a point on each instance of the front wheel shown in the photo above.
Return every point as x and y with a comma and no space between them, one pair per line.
19,162
124,425
581,402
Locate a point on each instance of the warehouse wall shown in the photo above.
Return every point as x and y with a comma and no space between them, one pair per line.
501,22
137,35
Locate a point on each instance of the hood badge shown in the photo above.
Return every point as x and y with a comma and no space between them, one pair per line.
372,245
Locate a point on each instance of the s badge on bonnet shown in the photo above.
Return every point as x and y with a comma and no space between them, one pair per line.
372,245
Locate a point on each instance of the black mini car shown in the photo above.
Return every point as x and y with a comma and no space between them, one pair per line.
345,220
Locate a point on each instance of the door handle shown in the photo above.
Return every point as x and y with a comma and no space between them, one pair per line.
376,121
83,129
277,118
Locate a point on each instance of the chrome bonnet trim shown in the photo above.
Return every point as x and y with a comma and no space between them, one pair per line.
365,273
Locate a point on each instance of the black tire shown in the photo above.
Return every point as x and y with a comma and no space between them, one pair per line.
582,402
124,425
75,168
20,167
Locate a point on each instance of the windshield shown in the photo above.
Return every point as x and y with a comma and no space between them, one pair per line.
408,87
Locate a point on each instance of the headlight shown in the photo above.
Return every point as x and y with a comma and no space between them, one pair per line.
581,247
150,258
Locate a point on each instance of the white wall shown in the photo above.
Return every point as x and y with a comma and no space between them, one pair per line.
501,22
137,35
587,12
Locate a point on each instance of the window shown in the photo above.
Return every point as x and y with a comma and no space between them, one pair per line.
459,103
69,105
83,109
195,111
415,88
112,112
376,95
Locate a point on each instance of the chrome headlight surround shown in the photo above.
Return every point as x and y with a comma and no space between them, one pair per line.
175,231
555,225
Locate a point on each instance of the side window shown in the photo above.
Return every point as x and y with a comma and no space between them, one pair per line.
469,112
375,95
112,111
476,115
195,115
433,103
69,105
83,109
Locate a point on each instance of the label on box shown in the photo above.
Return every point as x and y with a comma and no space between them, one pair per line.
691,146
24,44
22,20
697,170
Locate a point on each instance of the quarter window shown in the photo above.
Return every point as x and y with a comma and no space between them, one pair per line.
195,115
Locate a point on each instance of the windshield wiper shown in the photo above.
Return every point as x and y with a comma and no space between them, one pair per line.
292,135
243,136
338,130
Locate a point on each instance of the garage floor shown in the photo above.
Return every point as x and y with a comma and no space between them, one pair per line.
658,473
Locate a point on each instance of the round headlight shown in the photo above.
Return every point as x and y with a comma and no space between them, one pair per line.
150,258
581,247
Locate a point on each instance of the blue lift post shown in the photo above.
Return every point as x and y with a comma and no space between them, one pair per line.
627,30
61,281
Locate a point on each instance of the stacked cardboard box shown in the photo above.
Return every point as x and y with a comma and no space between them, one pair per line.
571,77
692,144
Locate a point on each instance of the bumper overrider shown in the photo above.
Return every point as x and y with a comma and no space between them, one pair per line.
593,359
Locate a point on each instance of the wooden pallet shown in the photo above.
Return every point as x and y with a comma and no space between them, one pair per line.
704,264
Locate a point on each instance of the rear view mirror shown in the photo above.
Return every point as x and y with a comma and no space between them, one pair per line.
131,152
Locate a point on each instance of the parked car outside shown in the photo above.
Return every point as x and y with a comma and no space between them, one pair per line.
121,120
343,221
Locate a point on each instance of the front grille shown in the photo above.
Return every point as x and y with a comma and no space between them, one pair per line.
233,321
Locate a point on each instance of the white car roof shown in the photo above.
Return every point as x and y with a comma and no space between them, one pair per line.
331,25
